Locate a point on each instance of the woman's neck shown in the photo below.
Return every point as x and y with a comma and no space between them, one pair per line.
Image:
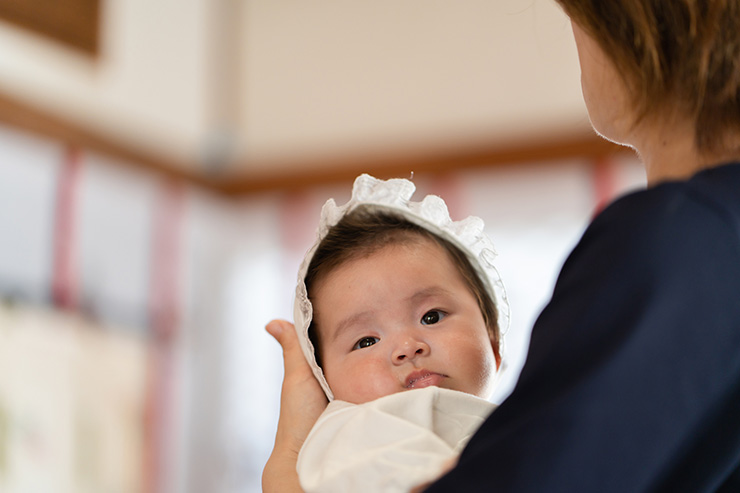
669,151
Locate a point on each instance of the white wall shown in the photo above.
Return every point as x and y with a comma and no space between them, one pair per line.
330,77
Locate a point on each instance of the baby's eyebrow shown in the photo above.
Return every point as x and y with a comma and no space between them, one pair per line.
348,322
429,292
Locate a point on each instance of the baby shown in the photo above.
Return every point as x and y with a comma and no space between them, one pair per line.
399,312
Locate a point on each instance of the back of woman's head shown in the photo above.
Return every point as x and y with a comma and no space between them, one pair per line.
675,55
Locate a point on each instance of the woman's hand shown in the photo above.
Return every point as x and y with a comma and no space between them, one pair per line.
301,402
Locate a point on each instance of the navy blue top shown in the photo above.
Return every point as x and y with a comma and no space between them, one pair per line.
632,381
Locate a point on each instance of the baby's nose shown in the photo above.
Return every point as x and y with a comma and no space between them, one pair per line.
409,349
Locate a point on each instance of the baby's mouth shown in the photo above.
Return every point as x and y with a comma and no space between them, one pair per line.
423,378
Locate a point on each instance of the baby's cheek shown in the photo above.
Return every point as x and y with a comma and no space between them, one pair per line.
363,383
479,368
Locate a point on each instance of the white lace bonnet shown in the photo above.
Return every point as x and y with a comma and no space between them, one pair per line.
431,213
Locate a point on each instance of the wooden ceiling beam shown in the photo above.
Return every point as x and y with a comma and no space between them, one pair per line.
309,172
75,23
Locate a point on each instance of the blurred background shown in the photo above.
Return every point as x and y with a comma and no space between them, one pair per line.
162,168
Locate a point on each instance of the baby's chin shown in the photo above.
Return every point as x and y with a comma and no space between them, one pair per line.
485,392
355,398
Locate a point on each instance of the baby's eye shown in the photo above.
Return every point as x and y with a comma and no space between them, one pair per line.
365,342
432,317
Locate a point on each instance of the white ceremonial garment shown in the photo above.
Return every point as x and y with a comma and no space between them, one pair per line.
391,444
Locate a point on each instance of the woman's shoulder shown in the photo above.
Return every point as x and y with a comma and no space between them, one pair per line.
709,201
672,227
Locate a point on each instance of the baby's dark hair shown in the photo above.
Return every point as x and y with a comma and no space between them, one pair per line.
363,232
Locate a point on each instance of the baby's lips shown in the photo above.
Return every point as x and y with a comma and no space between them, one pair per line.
423,378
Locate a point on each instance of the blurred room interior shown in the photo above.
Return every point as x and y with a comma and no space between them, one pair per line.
162,169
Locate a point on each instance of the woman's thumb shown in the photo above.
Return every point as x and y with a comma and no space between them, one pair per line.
280,330
284,332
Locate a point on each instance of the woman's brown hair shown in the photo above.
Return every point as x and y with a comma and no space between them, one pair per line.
675,55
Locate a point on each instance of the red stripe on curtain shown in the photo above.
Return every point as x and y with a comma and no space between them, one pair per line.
604,183
450,187
64,282
165,309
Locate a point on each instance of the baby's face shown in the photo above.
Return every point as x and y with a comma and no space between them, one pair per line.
399,319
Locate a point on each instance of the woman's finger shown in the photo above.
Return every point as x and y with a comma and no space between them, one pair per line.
301,403
284,333
302,399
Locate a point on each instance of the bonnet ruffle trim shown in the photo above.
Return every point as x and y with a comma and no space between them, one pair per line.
430,213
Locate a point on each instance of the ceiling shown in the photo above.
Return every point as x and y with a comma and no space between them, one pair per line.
258,92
